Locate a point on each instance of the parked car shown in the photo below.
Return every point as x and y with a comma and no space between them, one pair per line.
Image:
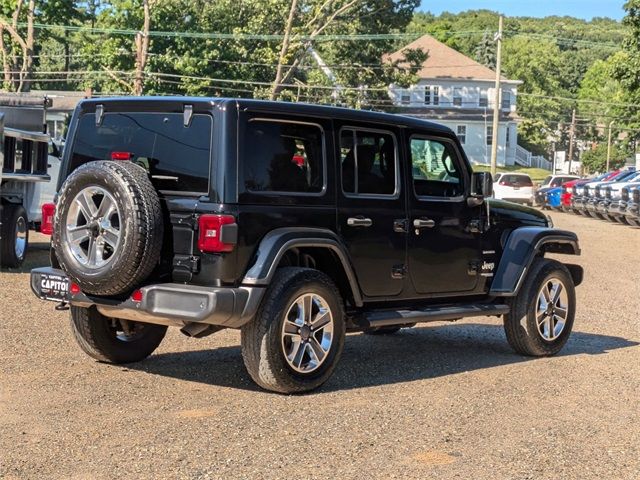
632,211
595,192
612,195
557,180
291,223
515,187
553,198
578,197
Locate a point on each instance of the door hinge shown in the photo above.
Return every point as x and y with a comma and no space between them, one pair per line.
398,271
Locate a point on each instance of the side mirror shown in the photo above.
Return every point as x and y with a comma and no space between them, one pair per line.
481,188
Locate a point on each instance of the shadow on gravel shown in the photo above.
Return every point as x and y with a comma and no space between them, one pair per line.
412,354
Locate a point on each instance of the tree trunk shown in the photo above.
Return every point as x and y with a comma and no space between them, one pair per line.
27,65
275,91
142,50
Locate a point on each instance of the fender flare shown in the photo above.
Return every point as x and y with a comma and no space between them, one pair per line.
521,248
277,242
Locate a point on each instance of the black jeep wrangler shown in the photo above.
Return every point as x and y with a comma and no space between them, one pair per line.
293,223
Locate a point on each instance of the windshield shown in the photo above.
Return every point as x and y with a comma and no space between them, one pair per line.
624,176
547,180
176,157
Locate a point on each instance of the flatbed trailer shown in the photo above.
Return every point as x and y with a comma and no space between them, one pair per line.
29,166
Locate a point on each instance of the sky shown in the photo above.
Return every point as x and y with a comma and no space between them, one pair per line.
586,9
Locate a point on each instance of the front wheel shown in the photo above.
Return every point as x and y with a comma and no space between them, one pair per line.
542,314
295,340
113,340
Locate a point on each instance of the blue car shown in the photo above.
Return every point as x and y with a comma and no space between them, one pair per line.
554,198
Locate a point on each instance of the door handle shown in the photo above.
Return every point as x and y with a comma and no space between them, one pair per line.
359,222
423,223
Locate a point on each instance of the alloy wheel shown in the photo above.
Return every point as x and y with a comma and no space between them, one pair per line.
552,309
307,333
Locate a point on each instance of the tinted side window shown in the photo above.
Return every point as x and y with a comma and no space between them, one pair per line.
283,157
436,173
176,157
368,162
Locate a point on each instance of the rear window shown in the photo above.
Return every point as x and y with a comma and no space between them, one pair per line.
516,180
176,157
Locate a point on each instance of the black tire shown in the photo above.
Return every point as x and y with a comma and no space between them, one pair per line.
520,324
140,227
261,338
383,330
98,337
14,218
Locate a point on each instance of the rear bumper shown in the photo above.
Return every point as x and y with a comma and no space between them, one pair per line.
172,304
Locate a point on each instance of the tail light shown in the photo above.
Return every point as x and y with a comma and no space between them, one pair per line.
121,155
136,296
48,212
217,233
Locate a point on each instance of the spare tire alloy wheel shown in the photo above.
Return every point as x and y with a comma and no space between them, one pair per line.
108,228
93,227
307,333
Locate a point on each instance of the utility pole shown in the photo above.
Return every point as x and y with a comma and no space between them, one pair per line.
609,145
572,136
498,101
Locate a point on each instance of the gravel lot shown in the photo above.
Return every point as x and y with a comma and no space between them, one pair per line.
439,401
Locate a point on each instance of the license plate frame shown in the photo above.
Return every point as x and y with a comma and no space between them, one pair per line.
54,286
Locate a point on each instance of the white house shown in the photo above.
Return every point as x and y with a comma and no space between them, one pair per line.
459,92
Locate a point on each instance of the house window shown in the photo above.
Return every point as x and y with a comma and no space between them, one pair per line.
508,137
489,134
484,98
506,100
461,132
427,95
405,97
436,95
457,96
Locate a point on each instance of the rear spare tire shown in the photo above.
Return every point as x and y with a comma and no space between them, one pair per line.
108,227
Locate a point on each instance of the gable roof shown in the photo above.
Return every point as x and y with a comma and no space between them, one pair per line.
446,63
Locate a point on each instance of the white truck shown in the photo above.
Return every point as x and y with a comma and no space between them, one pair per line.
29,166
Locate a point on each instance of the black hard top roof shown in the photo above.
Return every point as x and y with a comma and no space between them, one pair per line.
312,110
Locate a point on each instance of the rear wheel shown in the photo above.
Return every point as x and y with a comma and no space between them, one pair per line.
295,341
14,236
541,316
113,340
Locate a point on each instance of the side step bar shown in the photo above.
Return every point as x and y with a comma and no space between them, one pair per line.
388,318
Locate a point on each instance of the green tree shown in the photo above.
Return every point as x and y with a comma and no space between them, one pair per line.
595,160
626,69
485,52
